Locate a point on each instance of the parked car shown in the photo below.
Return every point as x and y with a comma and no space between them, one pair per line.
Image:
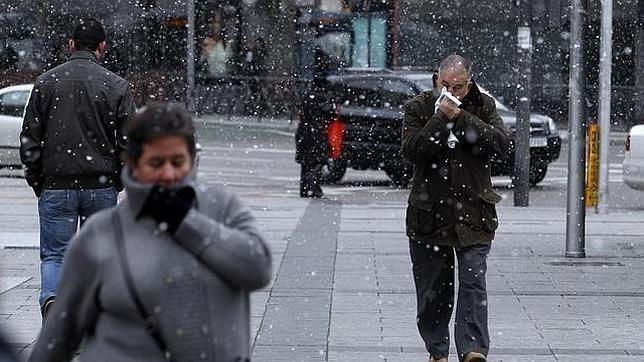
368,126
13,101
633,167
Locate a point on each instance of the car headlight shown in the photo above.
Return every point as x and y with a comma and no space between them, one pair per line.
552,126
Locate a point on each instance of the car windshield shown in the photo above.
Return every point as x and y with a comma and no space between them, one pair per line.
13,103
427,84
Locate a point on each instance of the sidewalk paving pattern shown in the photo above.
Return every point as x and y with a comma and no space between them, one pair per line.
343,289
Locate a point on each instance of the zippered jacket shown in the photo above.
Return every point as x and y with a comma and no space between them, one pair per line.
72,132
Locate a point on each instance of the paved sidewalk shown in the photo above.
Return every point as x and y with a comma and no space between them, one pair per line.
542,306
343,289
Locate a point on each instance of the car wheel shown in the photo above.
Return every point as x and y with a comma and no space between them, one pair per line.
400,174
333,171
537,173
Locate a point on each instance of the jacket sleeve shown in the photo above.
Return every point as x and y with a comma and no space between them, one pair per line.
489,132
423,135
31,139
125,111
75,311
233,248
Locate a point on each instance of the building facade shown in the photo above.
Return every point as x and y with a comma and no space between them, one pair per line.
486,31
147,42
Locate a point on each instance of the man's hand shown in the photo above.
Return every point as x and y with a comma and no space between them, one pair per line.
449,108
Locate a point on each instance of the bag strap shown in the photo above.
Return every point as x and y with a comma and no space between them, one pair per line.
150,327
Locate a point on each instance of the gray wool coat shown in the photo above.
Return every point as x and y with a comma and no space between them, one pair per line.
196,284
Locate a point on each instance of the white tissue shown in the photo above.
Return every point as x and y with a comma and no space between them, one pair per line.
451,139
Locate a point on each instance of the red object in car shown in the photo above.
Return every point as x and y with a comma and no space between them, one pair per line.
334,136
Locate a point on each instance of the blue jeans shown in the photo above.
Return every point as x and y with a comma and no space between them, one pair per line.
60,212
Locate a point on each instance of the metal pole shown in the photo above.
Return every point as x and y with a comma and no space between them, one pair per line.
368,12
605,65
522,132
576,212
395,31
190,63
368,40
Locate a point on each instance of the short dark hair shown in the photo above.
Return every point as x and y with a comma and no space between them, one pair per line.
88,34
159,119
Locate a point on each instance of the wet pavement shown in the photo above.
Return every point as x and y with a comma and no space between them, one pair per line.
342,287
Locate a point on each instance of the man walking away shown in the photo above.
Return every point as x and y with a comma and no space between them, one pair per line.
70,145
452,206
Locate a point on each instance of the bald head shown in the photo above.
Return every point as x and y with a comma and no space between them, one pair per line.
456,64
454,74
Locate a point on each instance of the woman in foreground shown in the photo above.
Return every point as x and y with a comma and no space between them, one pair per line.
166,274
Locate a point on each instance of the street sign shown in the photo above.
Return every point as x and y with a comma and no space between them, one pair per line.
525,40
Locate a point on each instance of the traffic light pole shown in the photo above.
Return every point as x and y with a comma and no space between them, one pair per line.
576,212
605,64
190,61
522,131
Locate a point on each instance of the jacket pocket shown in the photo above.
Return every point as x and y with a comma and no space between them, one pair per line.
489,219
419,222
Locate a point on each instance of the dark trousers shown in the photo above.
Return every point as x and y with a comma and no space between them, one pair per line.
433,268
310,180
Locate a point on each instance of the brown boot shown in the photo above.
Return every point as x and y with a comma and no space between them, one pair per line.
475,357
46,308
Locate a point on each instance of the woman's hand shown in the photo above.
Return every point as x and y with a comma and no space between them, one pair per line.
168,206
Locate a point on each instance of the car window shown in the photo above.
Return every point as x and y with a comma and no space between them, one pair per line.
361,93
377,93
13,103
425,84
499,106
394,94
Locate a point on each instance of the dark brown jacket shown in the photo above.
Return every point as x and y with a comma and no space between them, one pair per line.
451,200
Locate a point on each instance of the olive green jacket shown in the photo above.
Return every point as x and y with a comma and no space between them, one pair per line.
451,200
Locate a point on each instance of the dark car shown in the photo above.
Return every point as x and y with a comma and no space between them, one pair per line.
365,133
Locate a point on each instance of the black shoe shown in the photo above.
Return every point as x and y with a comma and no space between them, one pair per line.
312,194
311,190
46,307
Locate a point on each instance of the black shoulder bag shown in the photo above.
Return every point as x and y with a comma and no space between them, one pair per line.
150,327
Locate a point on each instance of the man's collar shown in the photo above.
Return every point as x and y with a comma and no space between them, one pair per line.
474,96
83,54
